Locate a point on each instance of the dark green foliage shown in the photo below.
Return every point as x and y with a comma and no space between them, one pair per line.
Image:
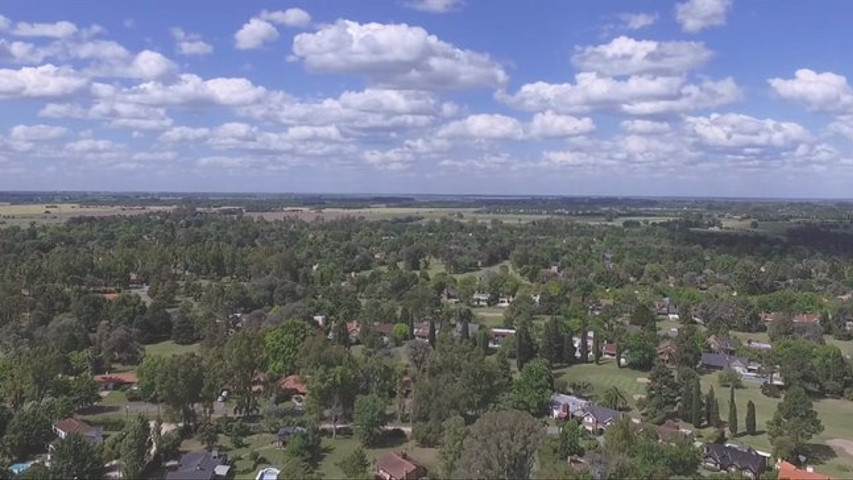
733,426
712,409
501,444
524,347
532,390
570,440
750,418
76,457
662,394
356,465
369,418
455,432
793,424
134,447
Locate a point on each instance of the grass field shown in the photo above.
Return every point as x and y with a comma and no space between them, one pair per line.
836,415
169,348
57,213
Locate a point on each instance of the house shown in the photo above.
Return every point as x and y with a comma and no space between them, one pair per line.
294,385
666,308
596,419
112,381
286,433
730,458
590,343
384,330
807,319
672,431
758,345
480,300
787,471
69,426
496,336
268,473
666,352
200,466
450,295
609,350
566,406
473,328
719,361
422,330
399,466
320,320
721,344
503,302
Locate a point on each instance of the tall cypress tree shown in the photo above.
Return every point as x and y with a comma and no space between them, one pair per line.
712,408
523,344
750,418
732,412
547,349
431,337
696,407
685,406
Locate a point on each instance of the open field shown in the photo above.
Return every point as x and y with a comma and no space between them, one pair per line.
169,348
387,213
57,213
836,415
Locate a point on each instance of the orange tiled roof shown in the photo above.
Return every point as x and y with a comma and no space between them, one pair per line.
788,471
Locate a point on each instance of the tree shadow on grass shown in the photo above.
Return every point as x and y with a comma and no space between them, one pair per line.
391,438
819,453
99,409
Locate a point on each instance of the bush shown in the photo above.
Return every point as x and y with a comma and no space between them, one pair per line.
133,395
729,377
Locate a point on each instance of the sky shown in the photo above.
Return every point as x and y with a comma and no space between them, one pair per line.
663,98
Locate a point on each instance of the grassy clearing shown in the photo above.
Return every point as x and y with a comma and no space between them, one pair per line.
169,348
42,213
604,376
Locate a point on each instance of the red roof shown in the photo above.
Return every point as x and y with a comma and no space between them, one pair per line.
788,471
294,383
127,378
399,465
609,349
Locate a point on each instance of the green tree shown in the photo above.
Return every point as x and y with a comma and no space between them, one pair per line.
184,326
552,343
208,435
614,398
696,409
532,391
282,345
570,440
28,431
641,350
243,356
431,333
452,441
179,385
134,447
733,427
341,333
662,394
524,350
356,465
712,408
76,457
369,418
794,423
501,445
750,418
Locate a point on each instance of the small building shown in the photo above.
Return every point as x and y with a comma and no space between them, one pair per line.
504,302
286,433
268,473
473,328
497,335
450,295
293,384
69,426
480,300
732,459
112,381
399,466
422,331
788,471
566,406
666,352
200,466
609,350
719,361
807,319
721,344
596,419
758,345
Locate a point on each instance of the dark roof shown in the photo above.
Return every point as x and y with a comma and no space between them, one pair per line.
728,456
724,343
720,360
284,433
603,415
197,466
473,328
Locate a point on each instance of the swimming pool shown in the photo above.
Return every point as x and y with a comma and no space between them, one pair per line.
18,468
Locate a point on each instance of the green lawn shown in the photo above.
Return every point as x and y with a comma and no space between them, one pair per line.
604,376
116,397
169,348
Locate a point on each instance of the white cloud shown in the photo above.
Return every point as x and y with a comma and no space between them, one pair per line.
190,44
292,17
696,15
184,134
636,95
91,145
645,127
742,131
396,55
254,34
550,124
30,133
484,127
98,50
627,56
820,92
54,30
4,23
40,82
434,6
189,89
636,21
390,101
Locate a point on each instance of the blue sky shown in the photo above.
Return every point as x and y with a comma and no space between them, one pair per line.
692,97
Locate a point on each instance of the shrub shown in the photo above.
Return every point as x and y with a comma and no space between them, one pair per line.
771,390
729,377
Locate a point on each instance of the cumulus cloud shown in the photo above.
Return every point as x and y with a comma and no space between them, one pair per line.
189,44
696,15
188,89
636,21
292,17
54,30
627,56
636,95
483,127
645,127
550,124
40,82
742,131
30,133
4,23
254,33
819,92
434,6
395,55
91,145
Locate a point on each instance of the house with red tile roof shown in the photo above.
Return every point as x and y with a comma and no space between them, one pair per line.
787,471
399,466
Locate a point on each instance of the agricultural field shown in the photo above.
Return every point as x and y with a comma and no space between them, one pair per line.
40,214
